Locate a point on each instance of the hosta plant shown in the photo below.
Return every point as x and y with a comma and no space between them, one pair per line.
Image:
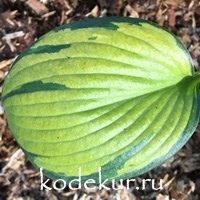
115,93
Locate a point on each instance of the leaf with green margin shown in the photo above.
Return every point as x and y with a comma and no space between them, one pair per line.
115,93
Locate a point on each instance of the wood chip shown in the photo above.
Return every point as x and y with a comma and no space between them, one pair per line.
162,197
48,14
171,17
95,11
14,35
132,11
5,63
15,160
2,76
37,7
197,10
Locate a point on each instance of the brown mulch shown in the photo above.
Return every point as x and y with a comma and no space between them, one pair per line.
23,21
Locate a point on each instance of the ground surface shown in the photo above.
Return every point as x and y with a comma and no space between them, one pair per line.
23,21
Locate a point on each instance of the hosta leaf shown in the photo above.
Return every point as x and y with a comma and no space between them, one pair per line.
115,93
